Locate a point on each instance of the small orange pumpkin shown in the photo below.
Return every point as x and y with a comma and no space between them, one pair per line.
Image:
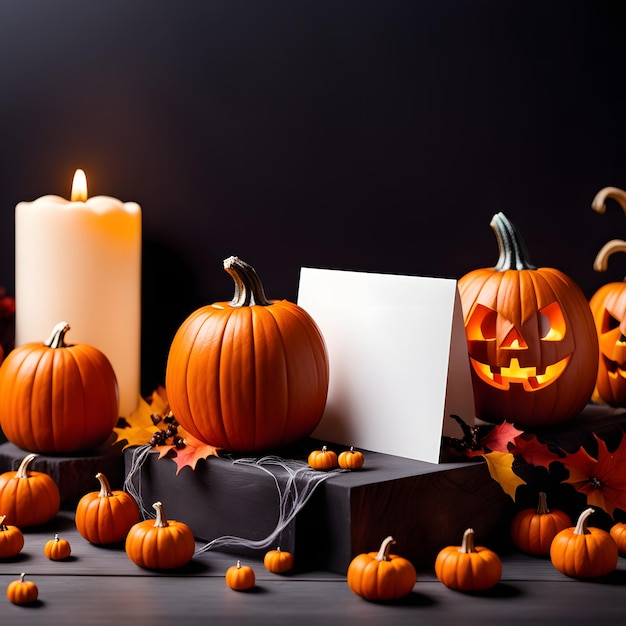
28,498
531,338
240,577
57,397
618,532
468,567
106,516
278,561
22,591
160,544
381,576
533,530
584,551
249,374
323,459
57,549
11,539
351,459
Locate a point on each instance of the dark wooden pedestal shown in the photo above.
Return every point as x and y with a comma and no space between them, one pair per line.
423,506
75,475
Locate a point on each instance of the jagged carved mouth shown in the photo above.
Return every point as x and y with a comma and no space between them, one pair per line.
529,377
614,368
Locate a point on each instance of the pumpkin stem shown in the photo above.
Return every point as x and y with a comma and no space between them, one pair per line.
22,470
2,524
599,202
57,337
56,537
161,520
467,545
105,487
22,576
601,262
383,552
581,524
542,505
248,287
513,254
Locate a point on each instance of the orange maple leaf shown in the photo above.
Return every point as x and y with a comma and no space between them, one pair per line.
190,454
602,480
500,466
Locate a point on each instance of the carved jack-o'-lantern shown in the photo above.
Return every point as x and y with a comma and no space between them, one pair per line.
531,338
608,306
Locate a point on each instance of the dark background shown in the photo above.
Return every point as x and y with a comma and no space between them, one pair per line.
361,135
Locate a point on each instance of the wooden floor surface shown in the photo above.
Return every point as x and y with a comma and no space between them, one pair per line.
99,585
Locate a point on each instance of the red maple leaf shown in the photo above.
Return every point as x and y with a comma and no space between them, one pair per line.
499,437
534,452
602,480
189,454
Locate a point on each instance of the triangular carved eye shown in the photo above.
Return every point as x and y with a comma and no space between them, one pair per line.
609,323
482,325
551,323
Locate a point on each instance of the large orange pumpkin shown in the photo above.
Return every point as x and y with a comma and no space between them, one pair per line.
608,306
531,338
249,374
57,397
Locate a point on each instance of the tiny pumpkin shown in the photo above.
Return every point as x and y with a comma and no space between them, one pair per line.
160,543
11,539
240,577
278,561
351,459
323,459
380,576
57,397
57,549
584,551
533,530
105,516
468,567
22,591
249,374
27,497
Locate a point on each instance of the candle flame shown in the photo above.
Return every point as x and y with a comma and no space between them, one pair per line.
79,187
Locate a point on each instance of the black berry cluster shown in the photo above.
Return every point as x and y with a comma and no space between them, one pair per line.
167,432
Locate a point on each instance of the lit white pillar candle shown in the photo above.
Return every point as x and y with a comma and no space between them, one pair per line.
80,261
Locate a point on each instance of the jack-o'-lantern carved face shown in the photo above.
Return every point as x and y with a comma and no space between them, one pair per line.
608,306
531,340
504,354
